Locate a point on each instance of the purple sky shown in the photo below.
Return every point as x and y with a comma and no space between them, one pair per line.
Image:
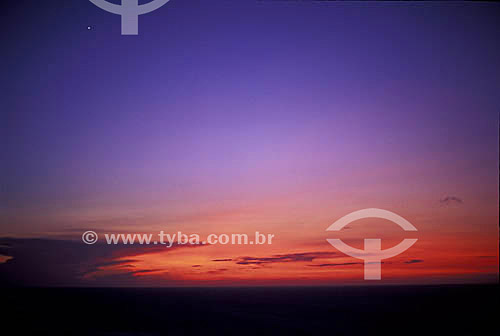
215,92
220,104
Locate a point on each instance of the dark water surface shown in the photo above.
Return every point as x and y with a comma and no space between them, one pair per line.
401,310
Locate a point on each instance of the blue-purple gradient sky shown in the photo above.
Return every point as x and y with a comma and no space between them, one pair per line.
220,104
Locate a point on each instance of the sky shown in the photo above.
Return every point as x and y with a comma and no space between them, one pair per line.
244,116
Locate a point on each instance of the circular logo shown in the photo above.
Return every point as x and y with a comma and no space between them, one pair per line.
89,237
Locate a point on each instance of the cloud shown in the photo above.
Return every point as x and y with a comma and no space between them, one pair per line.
218,271
196,266
449,200
281,258
146,271
135,250
218,260
50,262
414,261
340,264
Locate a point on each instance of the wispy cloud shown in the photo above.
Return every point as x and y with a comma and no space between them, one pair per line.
339,264
414,261
282,258
218,271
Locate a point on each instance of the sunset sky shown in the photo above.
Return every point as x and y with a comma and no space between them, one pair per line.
244,116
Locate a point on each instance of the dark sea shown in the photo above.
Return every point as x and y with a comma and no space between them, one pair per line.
375,310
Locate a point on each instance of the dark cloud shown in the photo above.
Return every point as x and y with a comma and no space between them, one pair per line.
123,250
280,258
222,259
218,271
196,266
414,261
340,264
449,200
50,262
487,257
147,271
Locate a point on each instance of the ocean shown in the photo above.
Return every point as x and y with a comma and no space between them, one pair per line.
371,310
